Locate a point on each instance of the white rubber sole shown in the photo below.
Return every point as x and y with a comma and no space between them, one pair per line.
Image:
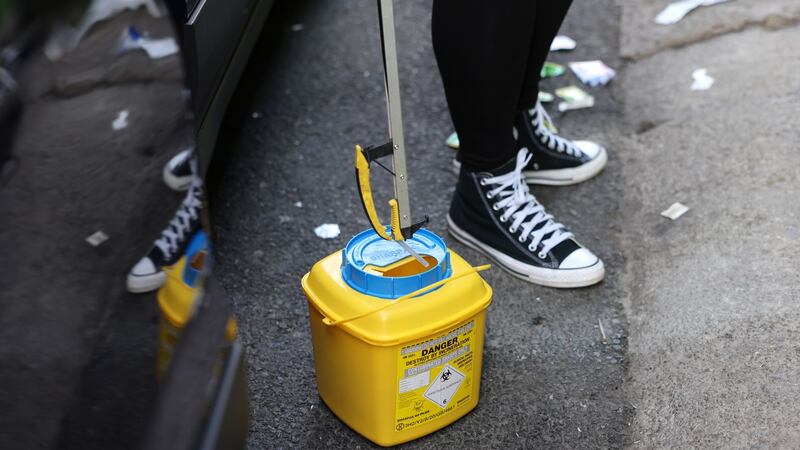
566,177
557,278
139,284
561,177
176,183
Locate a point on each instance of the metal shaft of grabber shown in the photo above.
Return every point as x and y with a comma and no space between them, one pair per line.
394,110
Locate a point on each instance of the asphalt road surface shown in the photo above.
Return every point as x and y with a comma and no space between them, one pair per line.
313,89
699,313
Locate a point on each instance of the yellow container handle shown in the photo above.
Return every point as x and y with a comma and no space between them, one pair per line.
331,323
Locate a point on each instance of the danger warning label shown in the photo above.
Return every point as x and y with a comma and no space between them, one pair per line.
444,386
434,377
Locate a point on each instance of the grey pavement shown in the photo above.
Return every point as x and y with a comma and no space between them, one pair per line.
714,356
701,312
640,37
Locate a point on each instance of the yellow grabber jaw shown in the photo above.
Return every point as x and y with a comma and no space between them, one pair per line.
363,158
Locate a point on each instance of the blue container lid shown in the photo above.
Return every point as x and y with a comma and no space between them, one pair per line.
368,250
198,244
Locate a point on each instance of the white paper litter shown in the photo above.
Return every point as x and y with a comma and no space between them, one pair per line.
574,98
676,11
592,73
121,121
160,48
298,204
702,80
64,38
97,238
327,231
562,42
155,48
676,210
580,104
101,10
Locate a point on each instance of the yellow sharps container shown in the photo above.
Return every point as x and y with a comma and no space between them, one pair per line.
397,346
177,300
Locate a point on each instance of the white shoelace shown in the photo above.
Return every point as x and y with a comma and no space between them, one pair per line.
540,119
521,206
181,224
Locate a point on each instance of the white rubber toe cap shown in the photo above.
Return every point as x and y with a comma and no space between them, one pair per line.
579,259
145,277
144,267
591,149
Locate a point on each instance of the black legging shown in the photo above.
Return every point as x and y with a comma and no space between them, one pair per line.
490,54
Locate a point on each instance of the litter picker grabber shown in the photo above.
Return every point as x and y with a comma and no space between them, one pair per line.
401,226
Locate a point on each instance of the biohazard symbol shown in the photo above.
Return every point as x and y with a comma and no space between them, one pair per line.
445,375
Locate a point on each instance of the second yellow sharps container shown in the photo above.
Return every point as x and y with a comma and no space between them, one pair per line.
177,300
397,346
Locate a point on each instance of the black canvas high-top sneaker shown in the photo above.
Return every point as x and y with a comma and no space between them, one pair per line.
556,161
148,274
495,214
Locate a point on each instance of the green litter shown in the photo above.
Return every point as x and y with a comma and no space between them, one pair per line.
552,70
452,141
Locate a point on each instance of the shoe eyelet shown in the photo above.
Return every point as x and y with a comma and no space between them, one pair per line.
531,248
496,207
503,219
512,230
542,255
521,239
483,181
489,196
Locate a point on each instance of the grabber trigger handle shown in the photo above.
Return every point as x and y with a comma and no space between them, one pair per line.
365,192
397,235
